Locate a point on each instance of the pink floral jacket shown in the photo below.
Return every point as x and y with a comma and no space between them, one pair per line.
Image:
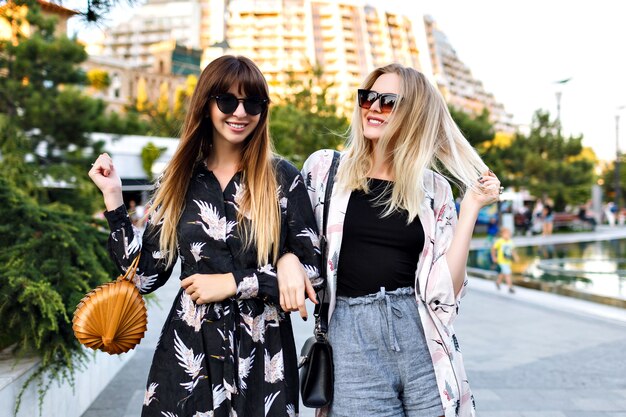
437,303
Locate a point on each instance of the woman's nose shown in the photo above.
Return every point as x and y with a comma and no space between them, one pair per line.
240,111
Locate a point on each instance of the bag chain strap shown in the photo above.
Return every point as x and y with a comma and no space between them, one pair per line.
321,308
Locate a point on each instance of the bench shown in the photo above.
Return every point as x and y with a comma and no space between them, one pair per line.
571,221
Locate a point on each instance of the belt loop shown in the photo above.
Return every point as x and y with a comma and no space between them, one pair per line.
390,318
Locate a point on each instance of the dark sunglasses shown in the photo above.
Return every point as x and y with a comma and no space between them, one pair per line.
228,103
367,98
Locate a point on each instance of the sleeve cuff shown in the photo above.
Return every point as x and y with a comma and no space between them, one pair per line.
117,218
247,284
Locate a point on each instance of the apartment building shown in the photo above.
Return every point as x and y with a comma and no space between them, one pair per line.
288,39
154,22
342,39
9,30
456,82
275,34
169,73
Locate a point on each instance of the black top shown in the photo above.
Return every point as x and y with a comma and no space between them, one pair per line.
377,251
237,356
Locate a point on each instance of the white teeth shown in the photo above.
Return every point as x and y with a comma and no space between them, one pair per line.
236,125
375,121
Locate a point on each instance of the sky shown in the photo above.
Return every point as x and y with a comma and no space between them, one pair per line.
519,49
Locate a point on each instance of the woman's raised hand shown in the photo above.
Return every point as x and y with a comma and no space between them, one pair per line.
104,175
487,191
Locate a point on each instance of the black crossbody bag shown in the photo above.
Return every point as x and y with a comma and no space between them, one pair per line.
316,356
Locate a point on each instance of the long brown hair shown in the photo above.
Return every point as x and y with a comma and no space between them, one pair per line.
259,197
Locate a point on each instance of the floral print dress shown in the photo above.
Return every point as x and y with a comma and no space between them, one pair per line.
231,358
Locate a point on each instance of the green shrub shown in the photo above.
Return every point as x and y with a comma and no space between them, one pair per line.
51,257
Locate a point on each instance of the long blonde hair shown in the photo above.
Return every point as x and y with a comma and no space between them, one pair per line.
259,197
420,135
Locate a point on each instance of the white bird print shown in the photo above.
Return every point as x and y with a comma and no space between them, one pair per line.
215,226
144,282
311,234
191,385
219,395
190,363
294,184
230,389
205,414
317,281
244,369
196,250
231,340
267,269
254,326
157,255
168,414
249,287
271,316
237,200
134,245
282,200
311,271
190,312
291,410
274,367
269,400
149,395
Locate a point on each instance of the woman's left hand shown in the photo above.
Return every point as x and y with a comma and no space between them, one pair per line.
209,288
293,283
487,191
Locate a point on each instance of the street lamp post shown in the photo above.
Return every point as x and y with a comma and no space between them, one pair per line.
617,156
558,110
618,190
559,93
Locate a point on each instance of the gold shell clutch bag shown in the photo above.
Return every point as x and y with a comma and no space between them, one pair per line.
113,317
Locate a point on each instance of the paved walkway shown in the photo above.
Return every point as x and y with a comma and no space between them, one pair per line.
530,354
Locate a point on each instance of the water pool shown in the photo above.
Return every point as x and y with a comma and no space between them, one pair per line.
597,267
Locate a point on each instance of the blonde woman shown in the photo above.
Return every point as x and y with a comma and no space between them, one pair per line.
228,208
397,251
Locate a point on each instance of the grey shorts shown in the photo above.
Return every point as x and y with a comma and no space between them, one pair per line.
382,364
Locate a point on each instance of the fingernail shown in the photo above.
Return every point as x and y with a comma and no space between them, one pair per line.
304,318
480,178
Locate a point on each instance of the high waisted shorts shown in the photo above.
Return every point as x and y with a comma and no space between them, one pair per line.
382,364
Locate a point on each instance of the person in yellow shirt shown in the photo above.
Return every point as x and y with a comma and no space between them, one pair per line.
503,254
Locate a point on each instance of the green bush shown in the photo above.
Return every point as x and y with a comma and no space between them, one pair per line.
51,257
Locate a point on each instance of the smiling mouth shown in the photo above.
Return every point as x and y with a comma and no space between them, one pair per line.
376,122
236,125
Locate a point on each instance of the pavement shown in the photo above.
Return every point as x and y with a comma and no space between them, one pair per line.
528,354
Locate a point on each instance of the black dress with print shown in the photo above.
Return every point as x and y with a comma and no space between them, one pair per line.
231,358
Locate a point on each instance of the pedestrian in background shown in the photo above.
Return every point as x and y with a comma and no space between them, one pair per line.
492,229
397,252
609,212
229,208
547,215
503,254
